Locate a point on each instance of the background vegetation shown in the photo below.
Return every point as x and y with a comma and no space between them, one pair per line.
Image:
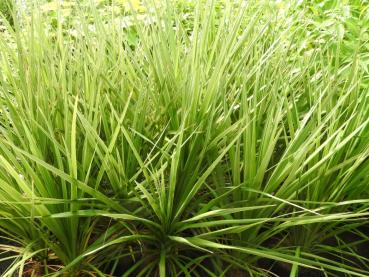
183,138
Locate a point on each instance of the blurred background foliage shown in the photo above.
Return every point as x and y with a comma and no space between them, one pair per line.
6,7
340,24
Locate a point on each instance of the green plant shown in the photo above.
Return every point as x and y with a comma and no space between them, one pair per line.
6,9
221,136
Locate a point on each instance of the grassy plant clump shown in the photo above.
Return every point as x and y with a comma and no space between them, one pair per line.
207,138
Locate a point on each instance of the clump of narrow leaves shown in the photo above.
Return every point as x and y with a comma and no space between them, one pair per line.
223,139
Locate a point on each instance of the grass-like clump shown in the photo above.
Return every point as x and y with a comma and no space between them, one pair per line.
207,138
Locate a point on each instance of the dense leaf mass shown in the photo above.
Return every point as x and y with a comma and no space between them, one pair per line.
185,138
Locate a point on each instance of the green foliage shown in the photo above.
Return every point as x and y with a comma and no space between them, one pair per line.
185,139
6,9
